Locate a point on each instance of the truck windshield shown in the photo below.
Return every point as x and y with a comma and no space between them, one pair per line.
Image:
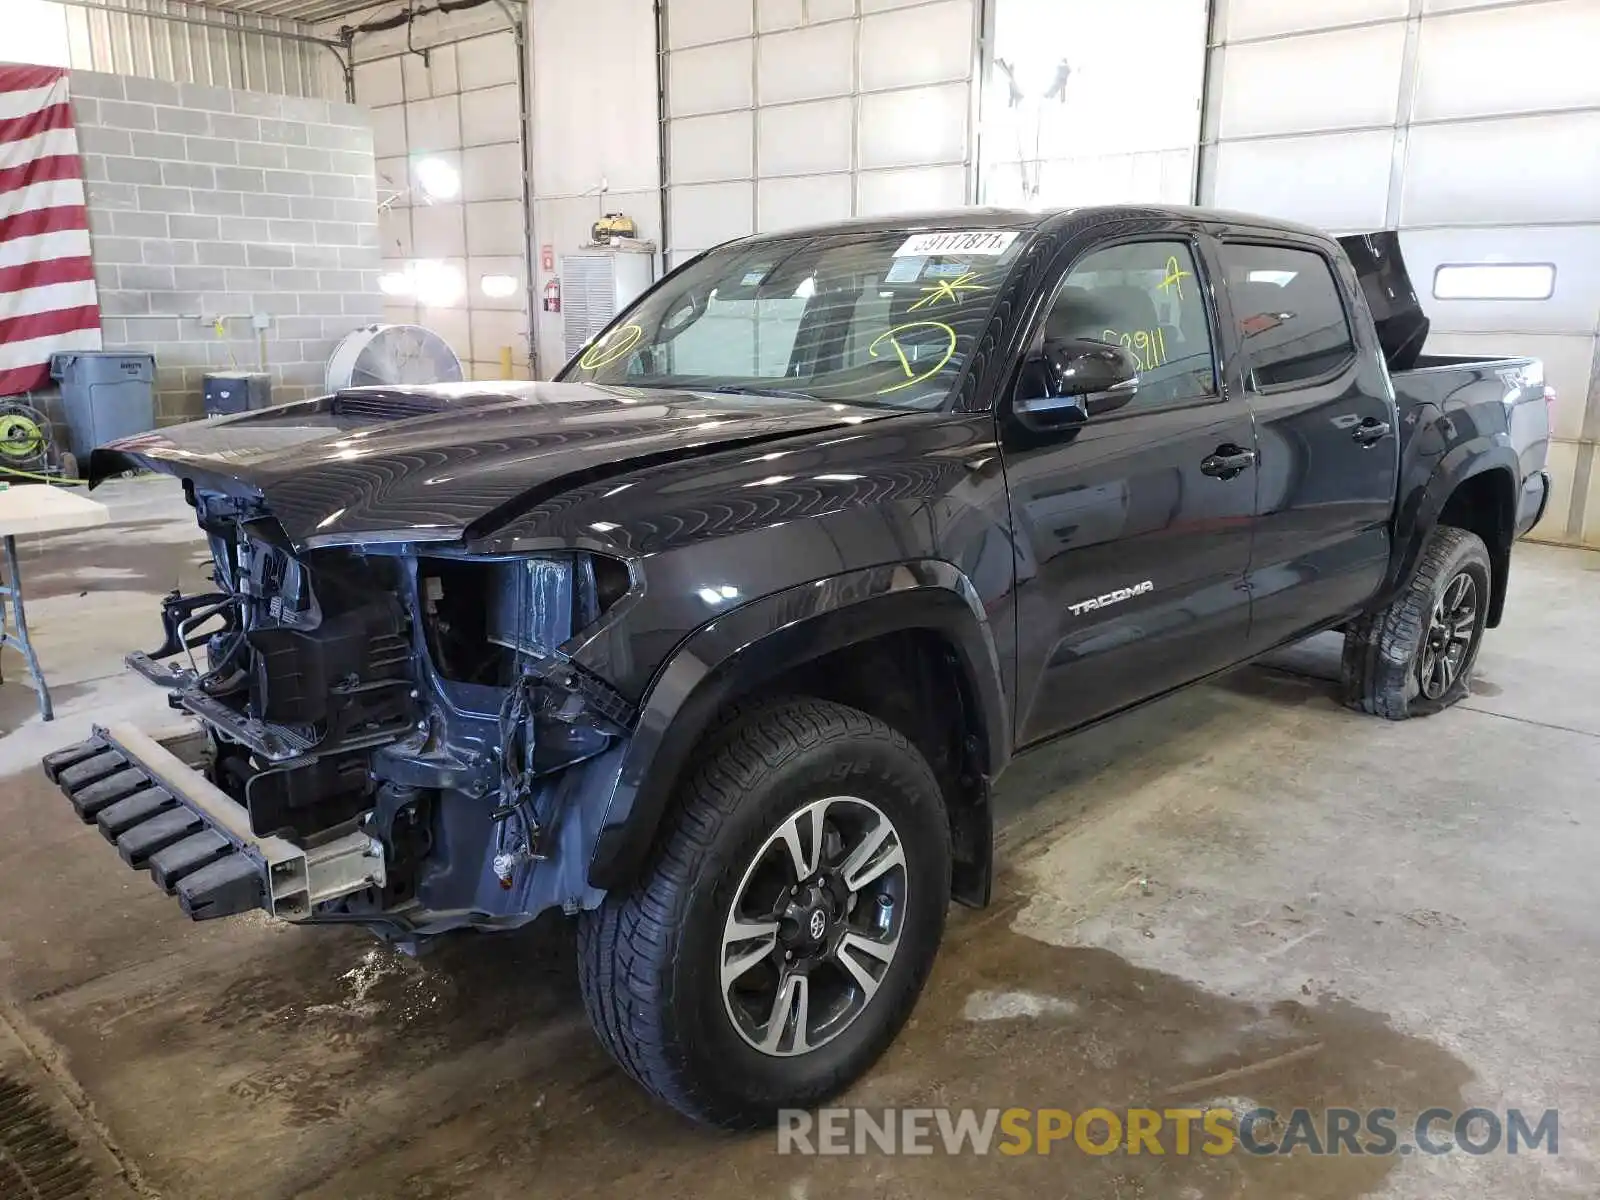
886,319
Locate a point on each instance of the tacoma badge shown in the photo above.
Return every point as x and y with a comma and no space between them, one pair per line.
1110,598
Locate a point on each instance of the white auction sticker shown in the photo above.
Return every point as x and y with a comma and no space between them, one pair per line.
990,242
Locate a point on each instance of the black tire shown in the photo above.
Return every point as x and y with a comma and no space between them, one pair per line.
1384,650
648,960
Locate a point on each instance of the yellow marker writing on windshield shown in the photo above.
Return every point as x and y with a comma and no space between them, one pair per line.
949,289
892,336
611,347
1175,276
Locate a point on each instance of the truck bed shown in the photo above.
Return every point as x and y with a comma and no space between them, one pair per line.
1486,398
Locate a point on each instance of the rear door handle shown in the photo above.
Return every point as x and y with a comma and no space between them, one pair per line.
1228,461
1370,432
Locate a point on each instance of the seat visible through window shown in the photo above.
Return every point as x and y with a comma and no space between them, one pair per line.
1145,297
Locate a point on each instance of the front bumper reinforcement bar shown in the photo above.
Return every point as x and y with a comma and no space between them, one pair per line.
162,814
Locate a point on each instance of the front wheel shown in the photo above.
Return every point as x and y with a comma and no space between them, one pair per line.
1415,656
787,924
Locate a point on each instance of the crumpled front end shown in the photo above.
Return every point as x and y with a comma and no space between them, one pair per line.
394,735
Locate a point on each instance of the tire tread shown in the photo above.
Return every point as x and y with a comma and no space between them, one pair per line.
626,945
1379,646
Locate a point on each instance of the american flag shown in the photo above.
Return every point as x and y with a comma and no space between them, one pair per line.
47,297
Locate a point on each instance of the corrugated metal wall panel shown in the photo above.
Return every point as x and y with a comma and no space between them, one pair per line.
857,110
1422,100
138,42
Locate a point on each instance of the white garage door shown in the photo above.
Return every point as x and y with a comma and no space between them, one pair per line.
788,112
451,221
1474,128
1093,103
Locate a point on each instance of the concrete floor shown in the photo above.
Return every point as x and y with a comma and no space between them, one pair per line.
1241,871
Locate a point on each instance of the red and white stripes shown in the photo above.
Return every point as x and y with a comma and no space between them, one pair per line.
47,294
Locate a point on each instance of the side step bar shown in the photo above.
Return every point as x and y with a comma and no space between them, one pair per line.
166,817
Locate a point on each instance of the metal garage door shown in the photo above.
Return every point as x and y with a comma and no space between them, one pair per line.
454,256
1470,126
785,112
1092,103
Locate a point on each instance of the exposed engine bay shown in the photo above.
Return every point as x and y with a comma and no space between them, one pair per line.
427,701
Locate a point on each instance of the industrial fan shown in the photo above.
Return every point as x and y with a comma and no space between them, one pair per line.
392,354
26,442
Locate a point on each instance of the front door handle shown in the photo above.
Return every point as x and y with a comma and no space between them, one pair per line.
1370,432
1228,461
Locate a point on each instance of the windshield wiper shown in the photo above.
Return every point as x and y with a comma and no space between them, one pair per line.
730,389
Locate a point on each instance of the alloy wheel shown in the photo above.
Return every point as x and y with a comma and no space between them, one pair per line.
813,926
1447,645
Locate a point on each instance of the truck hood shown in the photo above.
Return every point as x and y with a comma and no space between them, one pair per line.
452,461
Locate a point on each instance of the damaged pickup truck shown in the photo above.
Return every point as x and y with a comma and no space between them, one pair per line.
718,642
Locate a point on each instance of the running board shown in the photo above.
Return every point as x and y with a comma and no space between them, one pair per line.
166,817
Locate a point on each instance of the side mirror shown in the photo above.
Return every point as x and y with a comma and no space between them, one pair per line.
1071,380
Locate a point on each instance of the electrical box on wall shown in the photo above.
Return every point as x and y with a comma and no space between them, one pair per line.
596,285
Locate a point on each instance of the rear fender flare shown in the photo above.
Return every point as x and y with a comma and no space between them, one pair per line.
761,640
1426,504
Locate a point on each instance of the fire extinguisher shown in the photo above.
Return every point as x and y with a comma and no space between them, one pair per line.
552,295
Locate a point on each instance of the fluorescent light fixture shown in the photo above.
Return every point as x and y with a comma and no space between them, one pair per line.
497,287
437,284
437,178
1494,281
396,283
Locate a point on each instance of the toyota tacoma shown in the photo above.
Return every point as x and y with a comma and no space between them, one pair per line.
718,642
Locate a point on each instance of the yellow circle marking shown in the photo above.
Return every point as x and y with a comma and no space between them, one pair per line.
892,336
611,347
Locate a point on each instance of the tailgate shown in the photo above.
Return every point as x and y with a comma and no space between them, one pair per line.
163,815
1386,284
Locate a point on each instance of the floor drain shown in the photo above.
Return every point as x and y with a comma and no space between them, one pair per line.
38,1159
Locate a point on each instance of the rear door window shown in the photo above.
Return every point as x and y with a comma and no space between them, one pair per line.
1291,316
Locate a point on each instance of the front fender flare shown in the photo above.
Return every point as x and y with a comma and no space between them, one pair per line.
759,641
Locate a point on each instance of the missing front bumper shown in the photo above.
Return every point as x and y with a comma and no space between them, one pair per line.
166,817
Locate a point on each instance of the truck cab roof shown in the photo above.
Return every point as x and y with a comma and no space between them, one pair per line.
989,217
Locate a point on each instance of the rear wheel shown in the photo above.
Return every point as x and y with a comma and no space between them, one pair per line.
787,925
1415,656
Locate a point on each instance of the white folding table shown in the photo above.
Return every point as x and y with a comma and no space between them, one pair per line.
35,508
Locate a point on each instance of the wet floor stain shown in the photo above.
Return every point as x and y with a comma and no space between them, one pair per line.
337,1068
38,1159
369,1010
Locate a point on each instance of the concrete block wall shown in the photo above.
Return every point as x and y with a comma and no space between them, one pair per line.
207,203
